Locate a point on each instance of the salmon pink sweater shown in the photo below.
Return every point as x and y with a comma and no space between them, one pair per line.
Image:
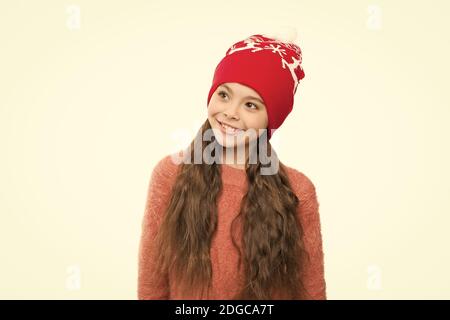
226,278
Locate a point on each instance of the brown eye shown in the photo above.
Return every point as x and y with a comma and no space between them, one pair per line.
255,106
222,92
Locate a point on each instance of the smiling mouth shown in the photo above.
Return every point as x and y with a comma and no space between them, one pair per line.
228,129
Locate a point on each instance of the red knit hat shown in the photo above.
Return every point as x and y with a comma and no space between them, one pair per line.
270,67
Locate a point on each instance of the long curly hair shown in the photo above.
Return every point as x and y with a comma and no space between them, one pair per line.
272,250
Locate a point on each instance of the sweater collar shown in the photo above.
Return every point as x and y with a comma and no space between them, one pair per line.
233,176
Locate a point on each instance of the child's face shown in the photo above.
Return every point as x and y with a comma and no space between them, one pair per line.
238,106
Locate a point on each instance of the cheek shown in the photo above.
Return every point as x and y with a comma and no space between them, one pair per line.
263,122
213,108
256,123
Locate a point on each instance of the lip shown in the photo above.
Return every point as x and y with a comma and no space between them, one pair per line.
225,132
220,122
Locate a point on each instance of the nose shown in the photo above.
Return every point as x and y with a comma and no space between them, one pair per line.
232,111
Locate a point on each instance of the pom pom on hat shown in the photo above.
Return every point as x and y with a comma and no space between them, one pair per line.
284,34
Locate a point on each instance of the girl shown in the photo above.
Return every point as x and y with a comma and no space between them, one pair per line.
222,227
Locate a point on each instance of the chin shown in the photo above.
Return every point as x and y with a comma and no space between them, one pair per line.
229,141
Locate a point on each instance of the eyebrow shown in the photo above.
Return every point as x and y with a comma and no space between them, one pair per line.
251,97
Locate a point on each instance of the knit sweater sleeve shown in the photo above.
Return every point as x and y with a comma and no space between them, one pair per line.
153,286
314,273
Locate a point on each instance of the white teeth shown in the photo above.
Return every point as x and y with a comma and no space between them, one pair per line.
229,129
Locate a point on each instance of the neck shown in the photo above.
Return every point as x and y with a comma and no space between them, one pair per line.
233,158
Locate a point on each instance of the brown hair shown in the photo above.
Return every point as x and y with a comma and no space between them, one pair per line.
272,250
